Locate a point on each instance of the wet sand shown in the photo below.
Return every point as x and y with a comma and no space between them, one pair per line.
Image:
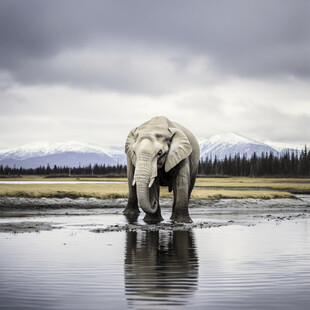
20,215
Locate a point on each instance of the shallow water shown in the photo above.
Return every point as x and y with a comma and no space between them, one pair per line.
266,266
60,182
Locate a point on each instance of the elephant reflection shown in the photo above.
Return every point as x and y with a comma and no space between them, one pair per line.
160,267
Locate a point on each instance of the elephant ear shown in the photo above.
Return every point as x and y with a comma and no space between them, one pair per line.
180,148
129,143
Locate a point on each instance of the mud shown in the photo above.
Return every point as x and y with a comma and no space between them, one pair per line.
22,227
19,215
21,203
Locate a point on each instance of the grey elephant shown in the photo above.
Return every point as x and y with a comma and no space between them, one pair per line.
160,153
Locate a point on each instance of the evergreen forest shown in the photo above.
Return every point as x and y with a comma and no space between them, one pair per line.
290,164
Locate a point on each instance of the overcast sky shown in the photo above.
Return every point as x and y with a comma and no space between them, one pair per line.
92,70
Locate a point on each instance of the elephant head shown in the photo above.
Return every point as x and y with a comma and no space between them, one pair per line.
150,148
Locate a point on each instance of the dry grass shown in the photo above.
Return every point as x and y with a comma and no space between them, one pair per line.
212,194
102,191
239,194
280,184
120,190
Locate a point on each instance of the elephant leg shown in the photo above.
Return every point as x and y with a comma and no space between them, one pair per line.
173,206
132,208
181,194
192,183
156,217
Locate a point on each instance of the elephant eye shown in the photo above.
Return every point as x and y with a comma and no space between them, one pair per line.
160,152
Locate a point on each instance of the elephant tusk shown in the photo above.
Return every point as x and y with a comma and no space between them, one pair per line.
134,182
151,182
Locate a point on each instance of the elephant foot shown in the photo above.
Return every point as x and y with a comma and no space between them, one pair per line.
131,214
131,218
153,218
181,218
131,211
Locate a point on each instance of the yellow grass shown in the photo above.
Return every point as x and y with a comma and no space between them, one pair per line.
239,194
102,191
223,193
119,190
272,183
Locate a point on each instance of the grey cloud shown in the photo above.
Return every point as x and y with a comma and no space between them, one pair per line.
204,103
251,38
271,123
128,71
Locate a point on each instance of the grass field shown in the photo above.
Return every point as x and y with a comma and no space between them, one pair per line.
289,184
216,188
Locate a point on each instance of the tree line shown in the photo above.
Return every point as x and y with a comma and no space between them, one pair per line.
290,164
95,170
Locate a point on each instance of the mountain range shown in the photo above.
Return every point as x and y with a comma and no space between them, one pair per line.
69,154
74,153
231,143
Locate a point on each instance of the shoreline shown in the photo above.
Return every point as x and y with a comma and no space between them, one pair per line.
111,188
20,215
50,203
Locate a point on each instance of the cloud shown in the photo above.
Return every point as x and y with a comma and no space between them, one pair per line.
92,70
60,113
128,70
277,111
276,125
58,39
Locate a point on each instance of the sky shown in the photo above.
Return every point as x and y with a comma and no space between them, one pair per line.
92,70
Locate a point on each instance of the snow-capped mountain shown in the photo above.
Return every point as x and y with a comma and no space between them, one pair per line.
75,153
231,143
46,148
70,154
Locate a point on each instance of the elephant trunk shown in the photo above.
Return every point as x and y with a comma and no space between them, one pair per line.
143,177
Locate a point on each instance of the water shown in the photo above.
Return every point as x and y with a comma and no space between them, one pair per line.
60,182
266,266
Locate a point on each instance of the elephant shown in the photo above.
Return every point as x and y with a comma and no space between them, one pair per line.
161,268
160,152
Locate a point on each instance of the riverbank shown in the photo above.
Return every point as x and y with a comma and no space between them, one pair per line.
111,188
37,214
